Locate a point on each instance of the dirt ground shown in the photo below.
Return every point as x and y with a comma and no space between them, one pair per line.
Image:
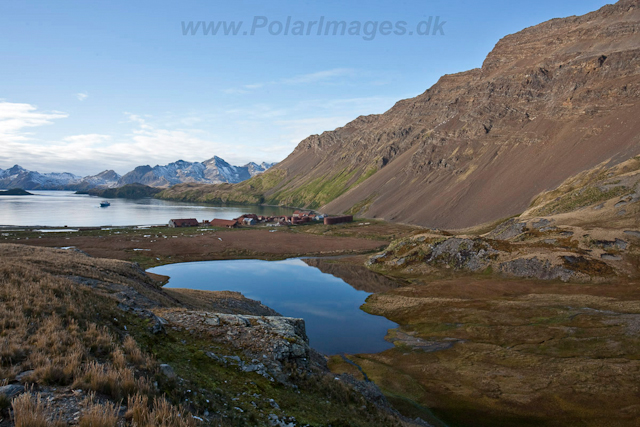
477,350
157,246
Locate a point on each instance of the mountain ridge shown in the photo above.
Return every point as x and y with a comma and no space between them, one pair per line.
548,102
214,170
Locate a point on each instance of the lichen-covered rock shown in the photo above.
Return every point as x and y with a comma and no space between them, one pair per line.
376,258
617,244
541,223
269,342
508,230
462,254
535,268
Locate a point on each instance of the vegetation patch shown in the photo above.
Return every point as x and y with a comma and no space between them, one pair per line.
316,192
581,198
129,191
362,206
591,267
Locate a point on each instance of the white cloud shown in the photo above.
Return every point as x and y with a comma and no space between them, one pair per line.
257,132
135,118
316,77
92,153
15,117
82,96
235,91
320,76
88,139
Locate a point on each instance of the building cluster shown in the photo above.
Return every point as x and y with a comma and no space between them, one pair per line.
297,218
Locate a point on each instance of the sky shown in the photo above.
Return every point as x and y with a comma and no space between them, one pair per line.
89,86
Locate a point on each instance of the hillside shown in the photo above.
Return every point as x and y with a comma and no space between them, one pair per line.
527,321
128,191
549,102
97,342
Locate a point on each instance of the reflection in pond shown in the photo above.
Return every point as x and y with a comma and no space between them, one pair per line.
331,307
359,277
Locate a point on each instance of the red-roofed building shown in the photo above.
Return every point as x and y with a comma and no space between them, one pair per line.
249,215
228,223
179,223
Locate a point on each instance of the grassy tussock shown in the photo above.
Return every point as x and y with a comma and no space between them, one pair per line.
98,414
112,381
30,410
57,328
159,413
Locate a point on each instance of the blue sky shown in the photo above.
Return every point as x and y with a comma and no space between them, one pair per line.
87,86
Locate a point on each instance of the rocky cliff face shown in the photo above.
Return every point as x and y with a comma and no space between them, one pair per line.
548,102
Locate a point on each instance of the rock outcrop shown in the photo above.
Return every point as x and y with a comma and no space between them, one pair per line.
269,343
527,248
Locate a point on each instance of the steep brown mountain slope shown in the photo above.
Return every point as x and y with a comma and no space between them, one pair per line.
548,102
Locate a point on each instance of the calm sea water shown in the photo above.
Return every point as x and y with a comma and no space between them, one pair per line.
330,307
59,208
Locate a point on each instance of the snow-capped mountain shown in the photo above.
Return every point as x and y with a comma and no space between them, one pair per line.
218,171
105,179
18,177
212,171
164,176
108,178
256,169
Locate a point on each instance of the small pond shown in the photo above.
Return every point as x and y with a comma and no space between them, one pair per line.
330,307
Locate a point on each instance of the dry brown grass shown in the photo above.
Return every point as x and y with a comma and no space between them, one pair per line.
53,326
158,414
137,357
98,414
30,411
111,380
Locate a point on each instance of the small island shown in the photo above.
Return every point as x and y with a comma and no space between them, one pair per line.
15,192
129,191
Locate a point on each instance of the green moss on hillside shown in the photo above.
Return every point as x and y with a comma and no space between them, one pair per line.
581,198
250,192
272,187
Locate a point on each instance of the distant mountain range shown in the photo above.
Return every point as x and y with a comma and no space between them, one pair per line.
212,171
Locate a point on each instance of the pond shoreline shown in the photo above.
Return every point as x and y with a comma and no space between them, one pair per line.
329,305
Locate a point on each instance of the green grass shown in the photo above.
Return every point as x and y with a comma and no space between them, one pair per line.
261,189
581,198
316,192
362,206
250,192
211,385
